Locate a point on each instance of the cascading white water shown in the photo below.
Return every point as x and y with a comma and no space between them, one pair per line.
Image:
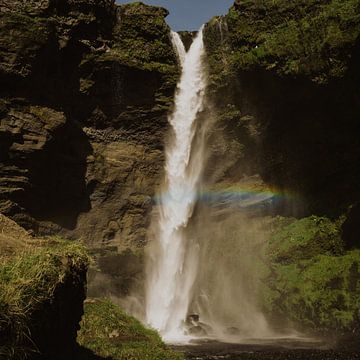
171,269
178,46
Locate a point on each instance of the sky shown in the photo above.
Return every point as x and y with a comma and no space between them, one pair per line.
189,14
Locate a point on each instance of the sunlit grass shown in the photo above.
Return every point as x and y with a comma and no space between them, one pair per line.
28,280
110,332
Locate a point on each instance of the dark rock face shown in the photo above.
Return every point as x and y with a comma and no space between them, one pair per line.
118,276
293,108
85,90
350,228
187,38
56,323
42,174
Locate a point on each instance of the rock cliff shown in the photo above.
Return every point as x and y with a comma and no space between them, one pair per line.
285,79
85,90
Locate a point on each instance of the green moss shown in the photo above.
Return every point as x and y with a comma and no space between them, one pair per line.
142,39
304,239
21,39
109,332
311,38
27,282
137,57
321,294
312,281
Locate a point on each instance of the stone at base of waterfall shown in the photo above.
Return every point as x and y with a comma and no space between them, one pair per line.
193,319
197,328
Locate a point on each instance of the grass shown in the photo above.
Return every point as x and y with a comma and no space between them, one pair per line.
110,332
21,39
313,281
29,280
305,238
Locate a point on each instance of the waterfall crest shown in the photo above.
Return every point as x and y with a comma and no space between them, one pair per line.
171,269
178,46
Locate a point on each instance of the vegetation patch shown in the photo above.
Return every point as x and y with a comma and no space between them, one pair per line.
110,333
22,39
298,38
306,238
144,40
313,281
29,282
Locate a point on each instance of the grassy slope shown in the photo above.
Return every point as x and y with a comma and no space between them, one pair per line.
314,281
109,332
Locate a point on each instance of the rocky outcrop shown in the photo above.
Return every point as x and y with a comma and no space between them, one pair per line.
85,91
42,290
12,237
42,176
187,38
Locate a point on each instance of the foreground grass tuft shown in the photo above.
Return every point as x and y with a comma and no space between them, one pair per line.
110,333
28,282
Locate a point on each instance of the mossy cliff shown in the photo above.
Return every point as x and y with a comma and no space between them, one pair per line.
85,87
284,82
85,90
284,76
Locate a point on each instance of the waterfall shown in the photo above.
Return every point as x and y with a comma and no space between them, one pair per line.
171,267
178,46
208,270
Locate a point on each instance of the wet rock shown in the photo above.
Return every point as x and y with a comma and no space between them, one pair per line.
187,38
197,328
193,318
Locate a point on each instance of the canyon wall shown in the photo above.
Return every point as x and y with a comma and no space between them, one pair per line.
284,82
85,90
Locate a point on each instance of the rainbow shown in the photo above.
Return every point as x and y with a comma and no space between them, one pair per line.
240,195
